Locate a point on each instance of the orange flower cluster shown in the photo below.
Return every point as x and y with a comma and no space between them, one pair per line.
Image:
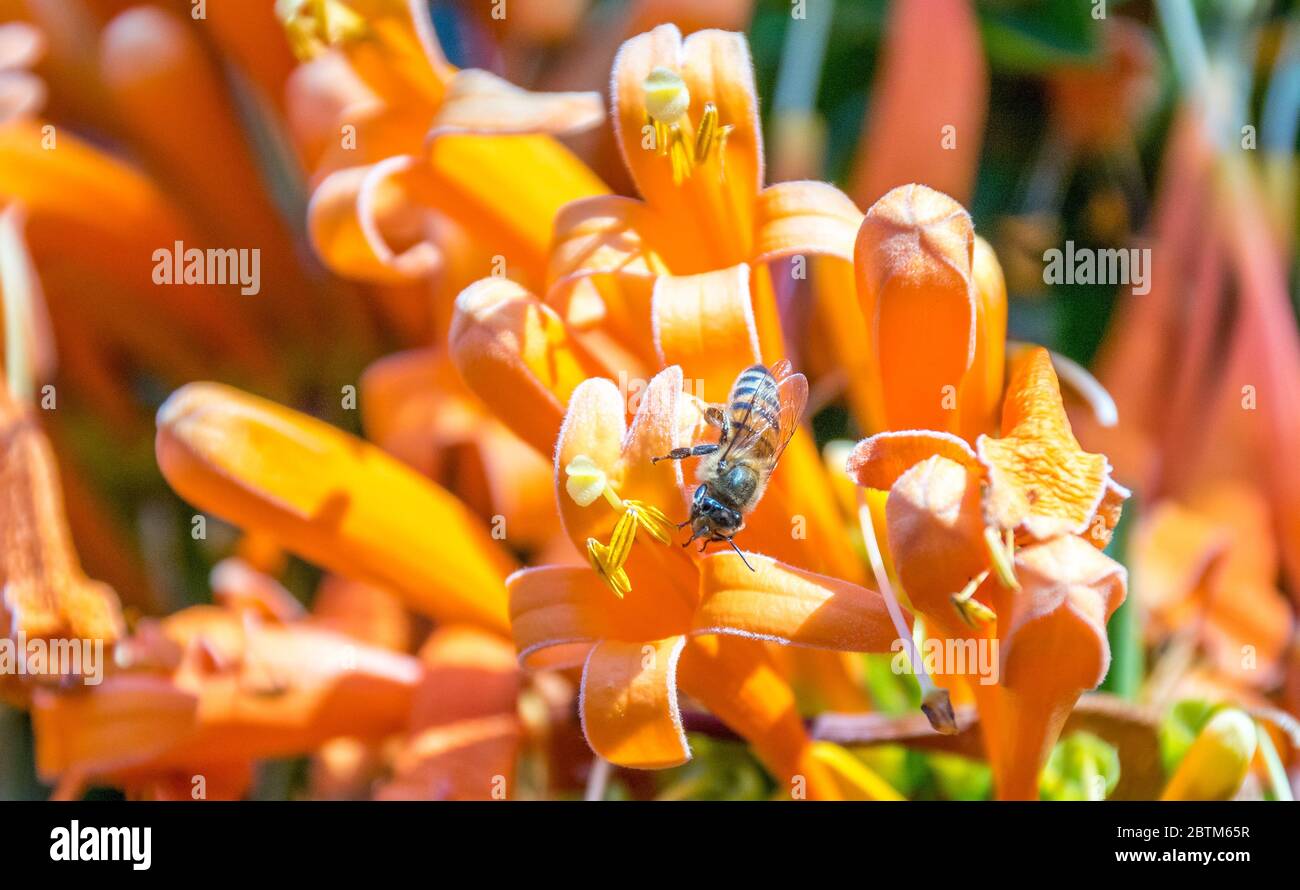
508,500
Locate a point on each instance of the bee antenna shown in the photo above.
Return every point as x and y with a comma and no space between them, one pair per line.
741,555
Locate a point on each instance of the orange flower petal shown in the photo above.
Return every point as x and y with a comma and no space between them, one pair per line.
263,691
241,588
656,429
933,75
914,260
76,193
518,357
812,218
465,717
400,400
738,682
935,528
568,608
469,673
170,95
602,267
471,759
843,340
1214,568
331,498
1053,647
713,212
877,462
364,223
981,392
717,68
480,102
783,604
505,191
629,703
45,593
705,323
364,611
125,721
1039,477
1173,550
595,426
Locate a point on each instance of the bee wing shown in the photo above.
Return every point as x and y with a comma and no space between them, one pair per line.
792,396
789,393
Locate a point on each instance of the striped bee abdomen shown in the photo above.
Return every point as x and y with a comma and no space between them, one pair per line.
754,412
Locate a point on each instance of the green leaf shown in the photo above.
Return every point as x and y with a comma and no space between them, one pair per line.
1082,767
1185,721
1124,630
1033,37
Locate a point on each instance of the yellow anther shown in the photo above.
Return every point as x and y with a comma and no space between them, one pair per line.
707,133
667,97
616,578
653,520
312,26
1002,557
971,610
620,542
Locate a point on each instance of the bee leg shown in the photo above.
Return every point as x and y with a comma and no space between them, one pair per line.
683,453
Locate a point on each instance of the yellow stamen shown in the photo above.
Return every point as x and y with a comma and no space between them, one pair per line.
653,520
971,610
585,483
667,104
1002,556
679,154
313,26
615,577
707,132
620,542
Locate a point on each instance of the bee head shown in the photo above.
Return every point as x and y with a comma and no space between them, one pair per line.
710,516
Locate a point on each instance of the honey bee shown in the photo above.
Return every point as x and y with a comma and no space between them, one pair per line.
760,415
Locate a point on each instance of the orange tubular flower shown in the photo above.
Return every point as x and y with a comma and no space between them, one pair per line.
686,119
678,278
646,618
934,301
204,692
999,544
415,407
1207,572
465,728
411,140
45,594
928,103
333,499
